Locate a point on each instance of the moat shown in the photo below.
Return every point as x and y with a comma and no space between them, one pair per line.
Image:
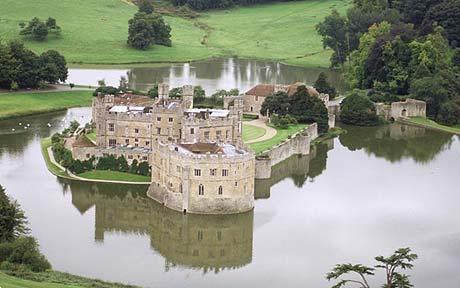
362,194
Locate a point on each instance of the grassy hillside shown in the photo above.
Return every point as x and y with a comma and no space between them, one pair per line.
19,104
95,31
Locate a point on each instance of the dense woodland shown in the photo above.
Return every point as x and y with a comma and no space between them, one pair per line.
220,4
392,50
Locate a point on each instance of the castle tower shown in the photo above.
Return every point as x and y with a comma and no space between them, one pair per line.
187,97
163,91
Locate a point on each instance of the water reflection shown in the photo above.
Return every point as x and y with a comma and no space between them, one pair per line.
207,242
298,168
211,74
397,141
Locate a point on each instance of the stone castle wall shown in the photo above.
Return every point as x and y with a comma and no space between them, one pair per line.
299,144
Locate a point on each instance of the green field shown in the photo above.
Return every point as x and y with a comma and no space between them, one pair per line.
431,124
25,103
114,175
251,132
54,279
280,136
95,31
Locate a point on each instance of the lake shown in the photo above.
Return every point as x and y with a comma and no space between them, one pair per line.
365,193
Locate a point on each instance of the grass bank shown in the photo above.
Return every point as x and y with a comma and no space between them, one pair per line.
53,279
251,132
27,103
95,32
424,122
114,175
281,135
45,144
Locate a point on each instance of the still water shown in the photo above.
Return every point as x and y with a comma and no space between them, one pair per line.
212,75
365,193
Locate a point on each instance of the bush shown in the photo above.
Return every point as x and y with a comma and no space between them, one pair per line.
106,90
144,168
357,109
383,97
449,114
25,251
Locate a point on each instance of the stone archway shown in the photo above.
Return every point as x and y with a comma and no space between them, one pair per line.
404,113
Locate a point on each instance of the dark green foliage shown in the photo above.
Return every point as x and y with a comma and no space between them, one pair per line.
219,4
357,109
106,90
283,122
134,168
401,259
448,114
382,97
140,33
447,14
38,30
175,93
23,67
323,86
145,6
12,219
199,94
333,31
122,164
147,29
431,90
144,168
153,92
309,109
24,250
277,103
53,67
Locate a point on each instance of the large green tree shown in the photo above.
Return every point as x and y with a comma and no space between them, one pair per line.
357,109
141,33
12,219
334,36
322,85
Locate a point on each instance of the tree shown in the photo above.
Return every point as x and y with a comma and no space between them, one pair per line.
447,14
28,70
277,103
175,92
12,219
141,33
38,29
53,67
153,92
401,259
357,109
161,30
432,91
323,86
309,109
199,95
144,168
145,6
334,35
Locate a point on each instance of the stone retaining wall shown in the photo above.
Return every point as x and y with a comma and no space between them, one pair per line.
298,144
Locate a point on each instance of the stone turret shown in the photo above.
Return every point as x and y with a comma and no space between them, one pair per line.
163,91
187,96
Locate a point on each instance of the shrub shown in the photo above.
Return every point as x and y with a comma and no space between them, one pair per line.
357,109
449,113
144,168
25,251
108,90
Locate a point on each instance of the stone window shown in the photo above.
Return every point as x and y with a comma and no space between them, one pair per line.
178,169
112,142
213,172
224,172
257,98
200,235
170,119
159,119
227,134
130,157
158,131
236,183
197,172
88,155
220,191
127,141
136,130
136,140
218,134
180,188
144,158
147,143
206,135
201,189
192,130
111,127
136,144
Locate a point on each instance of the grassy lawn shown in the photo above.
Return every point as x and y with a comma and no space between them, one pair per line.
431,124
91,136
95,31
54,279
251,132
45,143
114,175
282,135
25,103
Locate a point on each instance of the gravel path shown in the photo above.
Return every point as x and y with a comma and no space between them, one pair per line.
269,131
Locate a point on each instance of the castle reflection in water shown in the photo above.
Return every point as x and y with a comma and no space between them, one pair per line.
217,242
207,242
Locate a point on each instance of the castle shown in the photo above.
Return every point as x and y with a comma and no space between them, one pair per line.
199,163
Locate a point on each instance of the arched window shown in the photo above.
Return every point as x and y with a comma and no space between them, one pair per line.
201,189
220,191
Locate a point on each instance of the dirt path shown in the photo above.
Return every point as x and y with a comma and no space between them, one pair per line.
269,131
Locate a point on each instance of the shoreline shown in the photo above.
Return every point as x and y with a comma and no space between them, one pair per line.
433,126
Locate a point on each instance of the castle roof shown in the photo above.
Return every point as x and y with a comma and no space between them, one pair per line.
264,90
